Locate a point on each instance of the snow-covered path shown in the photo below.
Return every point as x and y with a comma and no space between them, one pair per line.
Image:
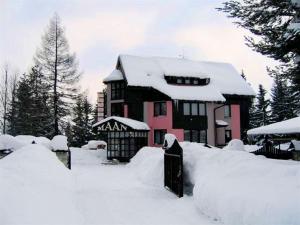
111,194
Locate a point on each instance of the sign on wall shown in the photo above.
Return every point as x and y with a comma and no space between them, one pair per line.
112,126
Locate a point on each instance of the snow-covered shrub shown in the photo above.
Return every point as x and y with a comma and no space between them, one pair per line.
148,165
59,142
235,145
10,142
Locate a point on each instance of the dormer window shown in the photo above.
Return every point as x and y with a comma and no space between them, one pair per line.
190,81
179,81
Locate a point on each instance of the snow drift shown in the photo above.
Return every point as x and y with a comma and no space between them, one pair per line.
36,188
235,187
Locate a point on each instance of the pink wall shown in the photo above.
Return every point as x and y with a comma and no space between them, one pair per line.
161,122
235,122
125,110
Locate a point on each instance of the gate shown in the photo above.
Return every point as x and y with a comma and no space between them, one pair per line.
173,167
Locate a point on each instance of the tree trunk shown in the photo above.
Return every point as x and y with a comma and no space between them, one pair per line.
55,85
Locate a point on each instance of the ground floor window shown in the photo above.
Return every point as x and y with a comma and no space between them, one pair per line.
125,144
159,136
195,136
228,136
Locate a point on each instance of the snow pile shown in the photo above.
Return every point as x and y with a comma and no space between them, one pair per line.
234,187
235,145
36,188
59,142
251,148
29,139
10,142
93,144
237,187
148,164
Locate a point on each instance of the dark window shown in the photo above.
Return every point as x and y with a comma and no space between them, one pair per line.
160,108
117,90
195,136
159,136
194,109
117,109
227,111
228,136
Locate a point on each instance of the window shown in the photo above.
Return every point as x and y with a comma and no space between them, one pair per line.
228,136
196,82
186,109
179,80
117,90
227,111
202,110
187,81
159,136
195,136
117,109
194,109
160,108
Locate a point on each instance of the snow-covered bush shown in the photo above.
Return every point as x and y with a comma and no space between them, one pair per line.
10,142
36,188
59,142
235,145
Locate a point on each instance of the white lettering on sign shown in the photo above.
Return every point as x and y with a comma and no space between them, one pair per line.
112,127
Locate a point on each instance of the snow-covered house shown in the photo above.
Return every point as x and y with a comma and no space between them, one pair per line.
206,102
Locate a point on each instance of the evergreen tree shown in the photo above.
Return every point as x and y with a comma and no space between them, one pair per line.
281,101
260,115
274,23
23,108
12,111
60,70
39,97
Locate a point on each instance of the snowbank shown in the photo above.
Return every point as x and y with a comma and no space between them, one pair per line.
59,142
36,188
234,187
148,164
29,139
235,145
237,187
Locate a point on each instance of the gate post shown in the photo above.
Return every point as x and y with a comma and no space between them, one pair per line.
173,165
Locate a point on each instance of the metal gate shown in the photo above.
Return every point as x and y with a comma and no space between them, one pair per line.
173,168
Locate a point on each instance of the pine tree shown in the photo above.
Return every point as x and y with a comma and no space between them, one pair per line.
12,113
60,69
281,100
274,23
260,114
23,107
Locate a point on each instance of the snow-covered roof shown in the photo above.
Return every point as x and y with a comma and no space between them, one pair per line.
291,126
151,72
134,124
115,75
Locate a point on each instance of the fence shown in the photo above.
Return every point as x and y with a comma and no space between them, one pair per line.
273,152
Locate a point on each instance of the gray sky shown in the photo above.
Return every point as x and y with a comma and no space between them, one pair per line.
98,31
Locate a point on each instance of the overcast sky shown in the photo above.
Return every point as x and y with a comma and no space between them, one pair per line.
98,31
